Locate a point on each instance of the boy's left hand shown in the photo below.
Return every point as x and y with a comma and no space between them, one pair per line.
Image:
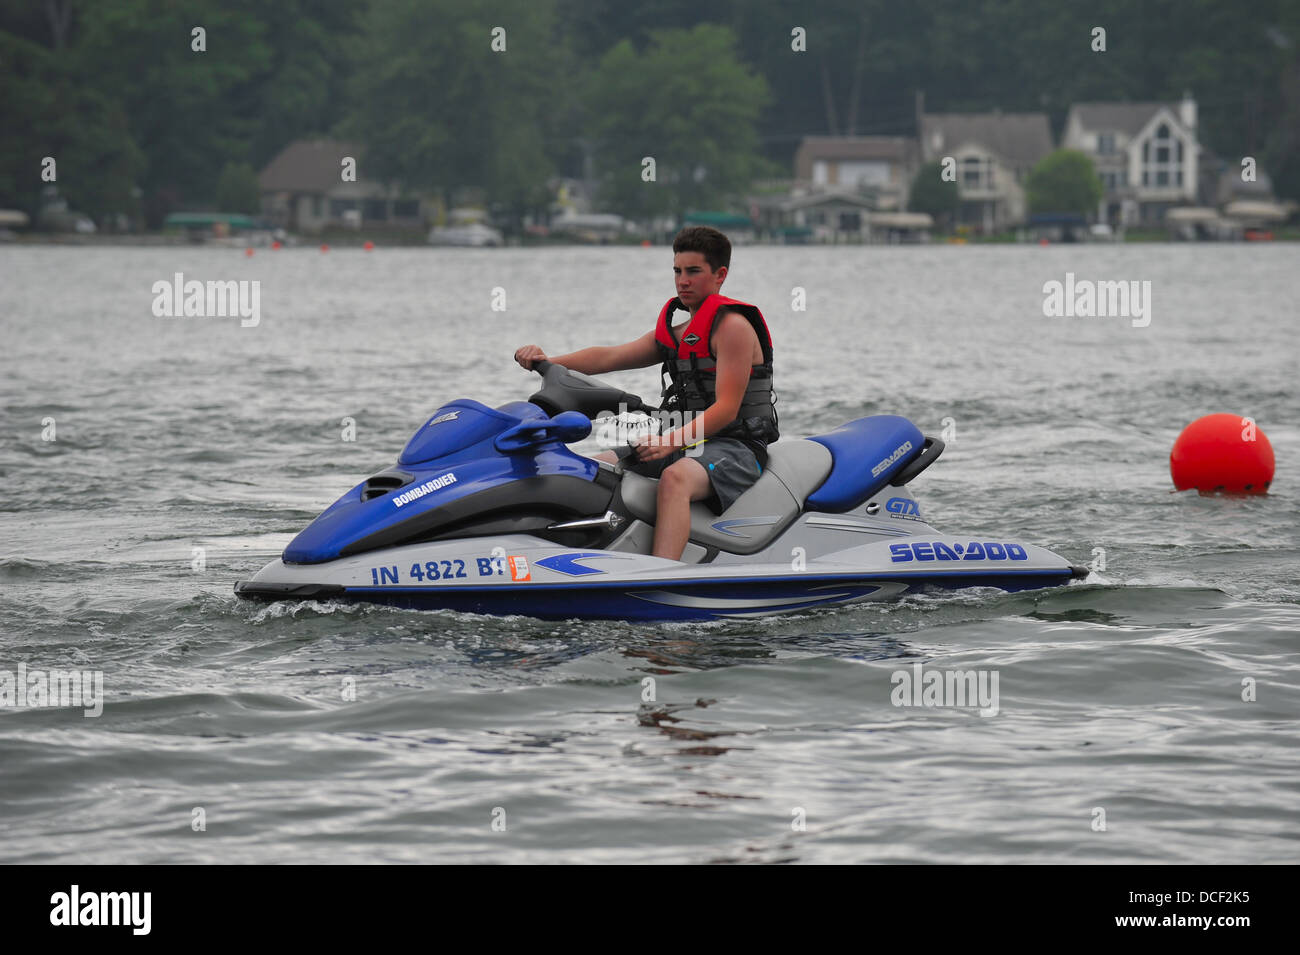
655,446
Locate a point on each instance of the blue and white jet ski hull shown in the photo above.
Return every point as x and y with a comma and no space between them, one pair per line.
520,574
488,511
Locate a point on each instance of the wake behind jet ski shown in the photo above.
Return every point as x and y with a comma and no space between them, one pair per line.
487,510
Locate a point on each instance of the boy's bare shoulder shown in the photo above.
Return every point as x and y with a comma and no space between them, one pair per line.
732,319
734,334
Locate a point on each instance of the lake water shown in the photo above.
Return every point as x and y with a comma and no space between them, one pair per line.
187,453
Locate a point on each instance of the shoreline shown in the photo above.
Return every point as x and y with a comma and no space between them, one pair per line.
158,240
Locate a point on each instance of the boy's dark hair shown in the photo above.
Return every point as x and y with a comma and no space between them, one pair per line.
709,242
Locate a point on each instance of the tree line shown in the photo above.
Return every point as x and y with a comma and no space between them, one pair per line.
504,95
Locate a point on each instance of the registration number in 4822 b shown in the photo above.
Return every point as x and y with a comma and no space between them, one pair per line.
975,550
429,570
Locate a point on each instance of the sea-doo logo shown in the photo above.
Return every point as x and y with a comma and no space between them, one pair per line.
898,453
691,339
903,507
937,550
449,416
428,487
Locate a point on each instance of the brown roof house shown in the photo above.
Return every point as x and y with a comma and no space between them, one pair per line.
994,153
841,183
303,190
880,167
1146,154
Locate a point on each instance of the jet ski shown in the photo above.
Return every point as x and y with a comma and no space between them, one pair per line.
488,510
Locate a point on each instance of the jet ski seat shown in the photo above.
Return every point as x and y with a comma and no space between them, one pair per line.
794,469
833,472
870,453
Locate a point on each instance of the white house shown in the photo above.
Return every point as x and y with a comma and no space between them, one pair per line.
1146,154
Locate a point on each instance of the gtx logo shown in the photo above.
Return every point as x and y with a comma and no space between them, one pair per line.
903,507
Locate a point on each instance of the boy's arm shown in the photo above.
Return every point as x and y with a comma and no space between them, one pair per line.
599,359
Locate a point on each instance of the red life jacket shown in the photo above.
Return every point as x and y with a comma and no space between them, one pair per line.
692,367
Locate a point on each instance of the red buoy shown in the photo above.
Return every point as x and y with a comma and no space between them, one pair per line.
324,247
249,251
1222,452
369,246
276,244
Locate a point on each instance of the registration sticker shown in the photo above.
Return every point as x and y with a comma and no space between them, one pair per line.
519,569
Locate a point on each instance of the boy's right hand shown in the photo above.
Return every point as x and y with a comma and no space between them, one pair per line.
529,354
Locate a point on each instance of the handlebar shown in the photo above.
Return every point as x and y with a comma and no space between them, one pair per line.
564,389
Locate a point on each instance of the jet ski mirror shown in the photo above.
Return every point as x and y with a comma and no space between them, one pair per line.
564,427
568,391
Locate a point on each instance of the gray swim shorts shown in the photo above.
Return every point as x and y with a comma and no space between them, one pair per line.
731,464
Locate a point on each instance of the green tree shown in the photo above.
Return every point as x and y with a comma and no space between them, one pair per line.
237,189
79,125
1064,181
436,107
688,103
183,107
933,194
299,95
